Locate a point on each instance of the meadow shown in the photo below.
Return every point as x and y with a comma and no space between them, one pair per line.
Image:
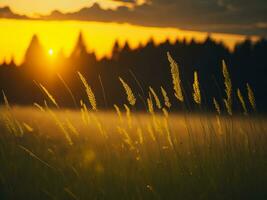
48,152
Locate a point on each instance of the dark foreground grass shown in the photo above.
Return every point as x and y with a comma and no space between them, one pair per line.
73,155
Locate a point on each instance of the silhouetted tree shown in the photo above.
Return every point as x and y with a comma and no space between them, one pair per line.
142,67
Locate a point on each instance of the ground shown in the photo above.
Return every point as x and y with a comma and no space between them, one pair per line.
64,154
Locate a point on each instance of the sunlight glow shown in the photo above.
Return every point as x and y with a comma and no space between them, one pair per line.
51,52
98,36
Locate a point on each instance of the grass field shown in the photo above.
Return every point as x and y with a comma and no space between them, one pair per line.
47,152
66,155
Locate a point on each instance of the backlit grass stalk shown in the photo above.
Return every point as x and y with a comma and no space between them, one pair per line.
251,97
60,126
71,127
118,112
167,130
68,89
217,106
228,89
165,112
130,95
89,92
127,139
128,115
151,131
50,97
11,123
176,80
196,90
140,135
241,99
39,107
150,106
84,113
6,100
99,126
156,98
166,98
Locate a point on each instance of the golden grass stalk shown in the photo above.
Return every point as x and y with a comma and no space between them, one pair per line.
68,89
99,126
127,139
166,98
71,194
228,88
89,92
165,112
6,100
196,89
150,105
71,127
103,90
219,124
8,123
128,115
50,97
118,112
12,125
30,153
158,103
217,106
151,132
140,135
228,107
166,127
241,99
176,78
251,97
61,126
130,96
84,113
39,107
27,127
157,124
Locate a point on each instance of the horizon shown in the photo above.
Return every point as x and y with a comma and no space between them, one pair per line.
93,33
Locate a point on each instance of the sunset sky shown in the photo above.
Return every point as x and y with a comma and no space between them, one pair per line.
30,7
104,21
231,16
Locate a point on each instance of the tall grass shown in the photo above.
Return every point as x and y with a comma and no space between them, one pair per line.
228,89
176,80
130,96
48,153
196,89
89,92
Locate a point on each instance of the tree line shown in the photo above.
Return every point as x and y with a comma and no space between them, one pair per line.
143,67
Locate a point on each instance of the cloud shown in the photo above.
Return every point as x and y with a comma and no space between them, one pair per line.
228,16
126,1
6,12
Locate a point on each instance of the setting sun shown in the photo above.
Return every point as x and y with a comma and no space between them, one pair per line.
51,52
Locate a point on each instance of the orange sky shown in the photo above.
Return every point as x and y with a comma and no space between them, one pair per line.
99,36
31,7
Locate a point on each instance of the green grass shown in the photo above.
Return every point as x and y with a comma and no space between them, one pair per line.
141,157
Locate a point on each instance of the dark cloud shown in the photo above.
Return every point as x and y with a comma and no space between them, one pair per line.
125,1
5,12
229,16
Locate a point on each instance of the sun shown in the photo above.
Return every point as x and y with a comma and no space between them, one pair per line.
51,52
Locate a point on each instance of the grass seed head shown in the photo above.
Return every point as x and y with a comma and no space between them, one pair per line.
176,80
